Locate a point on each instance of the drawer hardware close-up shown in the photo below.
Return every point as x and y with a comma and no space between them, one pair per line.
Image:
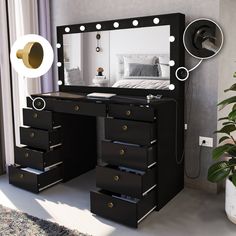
26,154
35,115
32,134
21,176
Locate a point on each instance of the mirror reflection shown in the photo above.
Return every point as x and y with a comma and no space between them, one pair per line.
126,58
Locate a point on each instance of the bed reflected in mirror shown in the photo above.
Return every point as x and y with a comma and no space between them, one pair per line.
125,58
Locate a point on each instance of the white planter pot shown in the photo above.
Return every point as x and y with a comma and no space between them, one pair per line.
230,201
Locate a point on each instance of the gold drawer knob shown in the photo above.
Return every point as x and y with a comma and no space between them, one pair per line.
35,115
116,178
21,176
39,103
125,127
26,154
32,134
110,204
76,108
122,152
128,112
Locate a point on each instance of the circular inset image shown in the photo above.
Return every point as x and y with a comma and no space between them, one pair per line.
182,73
25,56
38,103
203,38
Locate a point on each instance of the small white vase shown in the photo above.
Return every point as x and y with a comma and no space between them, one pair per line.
230,201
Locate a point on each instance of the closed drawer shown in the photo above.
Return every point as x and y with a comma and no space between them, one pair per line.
128,212
131,156
40,138
129,183
39,119
135,132
89,109
34,182
37,159
131,112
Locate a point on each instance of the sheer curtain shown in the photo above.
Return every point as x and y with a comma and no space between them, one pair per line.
6,101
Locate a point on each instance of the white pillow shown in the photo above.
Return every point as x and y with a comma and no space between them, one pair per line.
140,59
164,65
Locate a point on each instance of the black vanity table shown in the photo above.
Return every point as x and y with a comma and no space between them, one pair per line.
141,168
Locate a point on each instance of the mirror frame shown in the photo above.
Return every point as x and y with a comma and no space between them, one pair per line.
176,21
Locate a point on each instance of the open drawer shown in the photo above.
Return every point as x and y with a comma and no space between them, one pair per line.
34,181
36,158
121,209
123,181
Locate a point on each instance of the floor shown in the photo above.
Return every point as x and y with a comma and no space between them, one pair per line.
190,213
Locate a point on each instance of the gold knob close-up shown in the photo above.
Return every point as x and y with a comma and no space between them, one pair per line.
35,115
128,112
122,152
76,108
21,176
110,204
31,55
125,127
32,134
26,154
116,178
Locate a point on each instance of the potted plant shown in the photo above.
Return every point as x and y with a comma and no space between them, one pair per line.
226,168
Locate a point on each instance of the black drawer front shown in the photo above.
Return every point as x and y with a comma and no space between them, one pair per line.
135,132
130,184
37,159
48,106
39,119
104,204
129,156
34,182
40,138
89,109
131,112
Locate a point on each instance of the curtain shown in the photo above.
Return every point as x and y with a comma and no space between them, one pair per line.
45,31
7,134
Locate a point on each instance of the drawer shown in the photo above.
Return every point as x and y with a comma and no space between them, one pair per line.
37,159
131,156
34,182
113,179
135,132
39,119
131,112
122,210
41,139
83,108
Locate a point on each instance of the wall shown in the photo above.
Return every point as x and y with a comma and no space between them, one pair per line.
202,87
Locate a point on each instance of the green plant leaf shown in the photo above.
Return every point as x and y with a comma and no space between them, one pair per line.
232,115
234,179
227,129
218,171
232,88
223,118
227,102
223,139
228,123
232,161
232,151
234,107
219,151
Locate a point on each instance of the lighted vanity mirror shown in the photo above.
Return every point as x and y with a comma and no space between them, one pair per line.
127,58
